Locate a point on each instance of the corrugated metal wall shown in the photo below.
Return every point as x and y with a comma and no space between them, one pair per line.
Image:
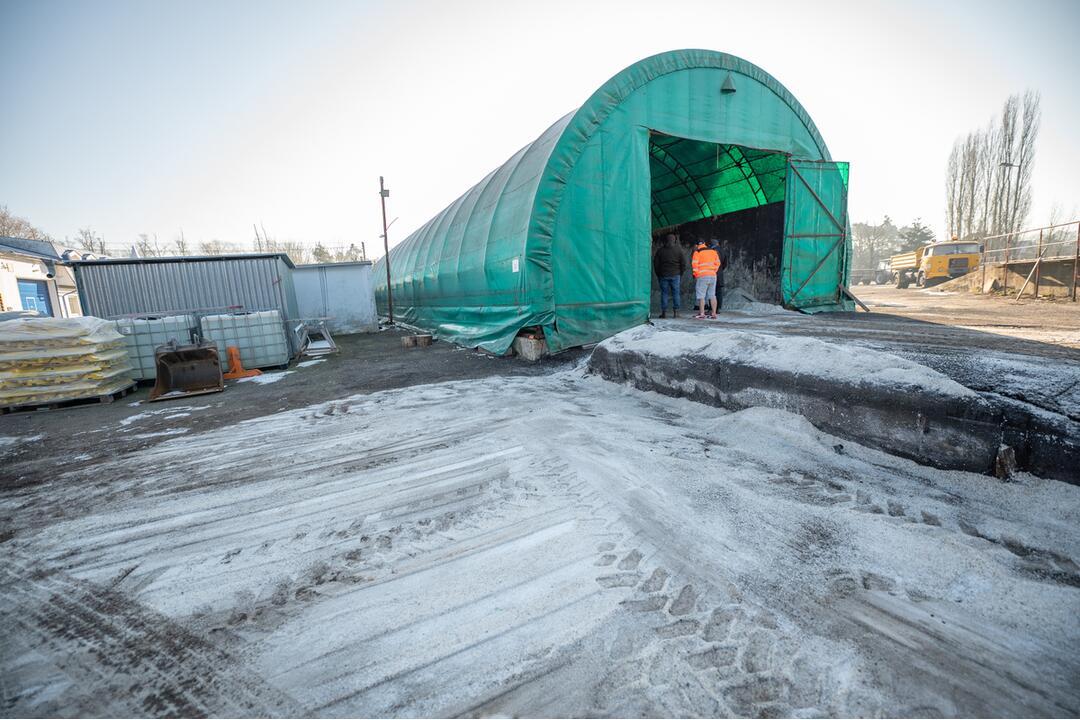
109,289
340,292
116,288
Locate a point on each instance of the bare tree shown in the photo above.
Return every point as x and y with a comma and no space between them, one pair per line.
873,242
90,242
987,171
1059,241
972,190
296,251
351,254
1030,120
213,247
983,195
147,245
181,243
1003,189
954,188
14,226
963,185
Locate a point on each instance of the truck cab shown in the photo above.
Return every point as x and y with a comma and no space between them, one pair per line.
935,263
946,260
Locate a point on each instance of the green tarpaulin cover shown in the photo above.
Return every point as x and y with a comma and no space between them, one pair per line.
560,235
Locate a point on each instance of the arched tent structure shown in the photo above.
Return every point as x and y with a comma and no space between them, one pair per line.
559,236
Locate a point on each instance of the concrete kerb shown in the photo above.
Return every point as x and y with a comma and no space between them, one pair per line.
953,433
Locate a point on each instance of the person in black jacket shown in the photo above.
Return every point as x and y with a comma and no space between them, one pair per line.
669,264
715,245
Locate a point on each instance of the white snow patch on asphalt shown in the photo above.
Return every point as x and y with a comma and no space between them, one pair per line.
309,363
161,433
266,378
170,410
793,354
15,440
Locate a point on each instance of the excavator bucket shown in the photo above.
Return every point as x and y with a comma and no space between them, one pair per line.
184,370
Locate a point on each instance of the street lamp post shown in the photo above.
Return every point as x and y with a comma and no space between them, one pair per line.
384,193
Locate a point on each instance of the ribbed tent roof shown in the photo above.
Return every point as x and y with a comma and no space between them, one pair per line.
483,267
692,180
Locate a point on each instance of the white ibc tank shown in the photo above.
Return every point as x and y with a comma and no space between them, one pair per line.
142,336
259,335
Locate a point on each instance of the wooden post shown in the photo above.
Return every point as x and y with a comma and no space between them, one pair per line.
1038,265
1023,287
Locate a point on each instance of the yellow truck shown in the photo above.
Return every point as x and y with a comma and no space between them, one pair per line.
934,263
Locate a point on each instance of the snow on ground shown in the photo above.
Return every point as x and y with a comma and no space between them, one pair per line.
739,300
541,546
1050,385
309,363
266,378
803,355
14,440
168,410
161,433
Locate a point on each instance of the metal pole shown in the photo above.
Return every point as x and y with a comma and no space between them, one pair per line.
1005,266
982,286
1038,265
1076,261
383,194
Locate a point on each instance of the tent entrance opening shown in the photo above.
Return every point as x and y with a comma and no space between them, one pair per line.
730,194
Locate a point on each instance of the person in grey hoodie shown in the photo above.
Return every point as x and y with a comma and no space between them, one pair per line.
669,264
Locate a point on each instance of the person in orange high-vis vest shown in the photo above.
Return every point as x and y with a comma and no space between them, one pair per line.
705,262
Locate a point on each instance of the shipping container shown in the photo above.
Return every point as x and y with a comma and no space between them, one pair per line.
342,294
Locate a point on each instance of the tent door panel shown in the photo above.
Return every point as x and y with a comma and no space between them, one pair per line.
815,233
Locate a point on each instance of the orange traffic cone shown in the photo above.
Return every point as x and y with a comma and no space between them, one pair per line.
236,368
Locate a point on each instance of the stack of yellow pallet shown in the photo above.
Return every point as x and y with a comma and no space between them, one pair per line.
49,360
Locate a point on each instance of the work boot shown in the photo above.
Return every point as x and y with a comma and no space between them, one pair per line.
663,314
675,313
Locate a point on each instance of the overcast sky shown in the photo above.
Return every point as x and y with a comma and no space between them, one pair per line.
147,116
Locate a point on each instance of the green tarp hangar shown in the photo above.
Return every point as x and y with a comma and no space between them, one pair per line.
560,236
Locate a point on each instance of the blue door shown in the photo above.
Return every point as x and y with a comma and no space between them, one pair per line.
35,296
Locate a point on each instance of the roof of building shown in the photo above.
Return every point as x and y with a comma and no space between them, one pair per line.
284,257
334,264
38,249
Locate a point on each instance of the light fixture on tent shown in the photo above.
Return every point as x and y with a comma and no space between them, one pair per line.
729,85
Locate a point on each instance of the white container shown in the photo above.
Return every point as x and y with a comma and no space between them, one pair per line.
143,336
260,336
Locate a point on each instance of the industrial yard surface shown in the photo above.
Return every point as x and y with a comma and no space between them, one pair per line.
438,532
1049,321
